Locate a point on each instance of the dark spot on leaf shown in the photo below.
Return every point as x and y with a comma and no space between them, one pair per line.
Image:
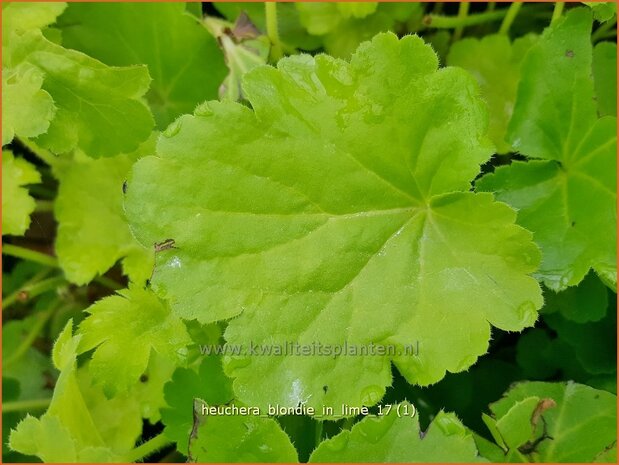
569,53
143,378
597,396
573,223
124,187
325,389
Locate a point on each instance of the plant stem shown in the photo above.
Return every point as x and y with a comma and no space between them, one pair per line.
44,206
450,22
31,290
31,336
512,11
28,254
30,404
318,433
146,449
45,155
109,283
604,30
557,12
270,9
463,12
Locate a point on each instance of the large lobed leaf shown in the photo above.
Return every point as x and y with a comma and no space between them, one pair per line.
568,195
337,211
77,100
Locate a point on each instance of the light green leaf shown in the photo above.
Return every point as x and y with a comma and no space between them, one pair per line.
576,422
307,229
98,108
495,63
75,427
183,59
343,26
130,323
26,108
391,438
92,230
605,77
17,205
515,426
244,50
209,384
238,439
569,198
25,16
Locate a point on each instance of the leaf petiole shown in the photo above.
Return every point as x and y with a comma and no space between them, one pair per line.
452,22
557,12
512,12
147,448
30,404
29,254
270,9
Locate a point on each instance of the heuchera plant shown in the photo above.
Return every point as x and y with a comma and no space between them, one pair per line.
189,188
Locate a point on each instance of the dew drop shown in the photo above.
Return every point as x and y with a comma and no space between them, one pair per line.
173,129
448,425
527,314
338,443
234,364
371,395
203,109
374,428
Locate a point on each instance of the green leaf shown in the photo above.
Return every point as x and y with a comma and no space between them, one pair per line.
304,227
391,438
238,439
75,427
605,77
581,304
183,59
209,384
495,63
594,343
92,230
34,370
603,11
132,322
575,423
17,205
343,26
569,198
98,108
